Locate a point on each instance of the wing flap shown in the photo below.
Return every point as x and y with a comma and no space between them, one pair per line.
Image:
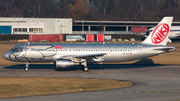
88,56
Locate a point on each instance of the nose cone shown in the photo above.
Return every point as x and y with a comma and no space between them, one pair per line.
5,56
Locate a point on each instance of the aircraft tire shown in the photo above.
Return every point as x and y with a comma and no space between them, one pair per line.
85,69
26,69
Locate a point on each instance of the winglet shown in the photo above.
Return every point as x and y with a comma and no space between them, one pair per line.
159,35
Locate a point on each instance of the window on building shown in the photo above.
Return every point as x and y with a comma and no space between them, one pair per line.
20,29
40,29
30,29
24,29
35,29
16,30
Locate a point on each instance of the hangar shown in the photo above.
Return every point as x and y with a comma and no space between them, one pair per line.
35,25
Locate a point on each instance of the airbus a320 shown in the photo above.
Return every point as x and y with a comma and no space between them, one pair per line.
68,55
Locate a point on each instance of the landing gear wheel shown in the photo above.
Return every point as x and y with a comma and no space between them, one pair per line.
26,69
85,69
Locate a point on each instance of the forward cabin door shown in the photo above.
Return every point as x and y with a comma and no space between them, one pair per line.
28,51
33,53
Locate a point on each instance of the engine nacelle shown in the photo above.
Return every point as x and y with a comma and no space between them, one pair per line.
64,63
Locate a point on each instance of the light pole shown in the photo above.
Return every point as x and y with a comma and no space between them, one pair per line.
82,27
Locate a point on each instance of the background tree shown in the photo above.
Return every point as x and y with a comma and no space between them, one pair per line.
92,9
79,10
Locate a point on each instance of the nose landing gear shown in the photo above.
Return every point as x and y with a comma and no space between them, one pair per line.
27,66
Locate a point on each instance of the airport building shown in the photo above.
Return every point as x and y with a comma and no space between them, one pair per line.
35,25
67,29
10,25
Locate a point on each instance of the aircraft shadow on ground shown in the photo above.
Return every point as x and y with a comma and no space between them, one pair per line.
143,63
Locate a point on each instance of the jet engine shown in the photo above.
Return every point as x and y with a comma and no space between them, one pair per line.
64,63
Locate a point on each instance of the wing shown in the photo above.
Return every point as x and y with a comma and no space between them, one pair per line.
98,57
89,56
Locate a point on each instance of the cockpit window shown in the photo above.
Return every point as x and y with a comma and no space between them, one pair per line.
17,49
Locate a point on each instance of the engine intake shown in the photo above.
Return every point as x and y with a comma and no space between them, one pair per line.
64,63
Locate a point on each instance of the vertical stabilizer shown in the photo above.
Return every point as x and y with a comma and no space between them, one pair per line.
159,35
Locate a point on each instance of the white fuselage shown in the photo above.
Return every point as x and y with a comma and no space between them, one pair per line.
113,52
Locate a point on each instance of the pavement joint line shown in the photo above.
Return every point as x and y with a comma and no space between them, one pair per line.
139,92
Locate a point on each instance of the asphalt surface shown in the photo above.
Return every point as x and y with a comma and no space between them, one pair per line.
152,83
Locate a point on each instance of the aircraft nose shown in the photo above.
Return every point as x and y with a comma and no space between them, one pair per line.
5,56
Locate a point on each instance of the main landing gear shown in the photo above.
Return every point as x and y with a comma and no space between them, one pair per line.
84,67
27,66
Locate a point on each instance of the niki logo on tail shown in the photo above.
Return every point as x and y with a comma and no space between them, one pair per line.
160,33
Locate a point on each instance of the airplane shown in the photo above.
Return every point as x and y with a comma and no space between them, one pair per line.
174,33
68,55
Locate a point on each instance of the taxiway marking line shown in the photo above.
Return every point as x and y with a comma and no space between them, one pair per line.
140,92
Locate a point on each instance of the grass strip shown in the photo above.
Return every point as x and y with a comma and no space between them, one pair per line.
31,86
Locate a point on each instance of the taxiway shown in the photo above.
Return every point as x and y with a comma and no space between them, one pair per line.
152,83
